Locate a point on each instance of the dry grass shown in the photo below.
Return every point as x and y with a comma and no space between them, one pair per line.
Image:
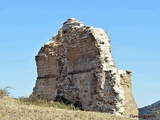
45,103
40,109
5,92
11,109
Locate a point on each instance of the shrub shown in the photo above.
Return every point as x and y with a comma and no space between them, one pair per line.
5,92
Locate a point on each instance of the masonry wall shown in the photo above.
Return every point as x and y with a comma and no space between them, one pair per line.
77,65
47,69
81,57
130,106
81,60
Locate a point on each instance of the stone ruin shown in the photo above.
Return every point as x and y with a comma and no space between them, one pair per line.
77,66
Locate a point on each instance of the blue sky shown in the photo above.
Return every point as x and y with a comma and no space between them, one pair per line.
133,27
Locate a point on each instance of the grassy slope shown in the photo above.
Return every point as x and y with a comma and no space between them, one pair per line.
11,109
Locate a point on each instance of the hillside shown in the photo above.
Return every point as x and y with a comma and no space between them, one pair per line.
152,111
156,103
11,109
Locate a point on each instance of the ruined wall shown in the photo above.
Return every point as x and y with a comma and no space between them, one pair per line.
76,64
130,106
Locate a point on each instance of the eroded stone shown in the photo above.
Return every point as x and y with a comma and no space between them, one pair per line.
76,66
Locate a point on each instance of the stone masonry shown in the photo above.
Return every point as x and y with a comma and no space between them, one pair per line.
77,65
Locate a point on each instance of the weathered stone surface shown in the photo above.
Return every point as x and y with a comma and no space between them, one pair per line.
130,104
77,65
